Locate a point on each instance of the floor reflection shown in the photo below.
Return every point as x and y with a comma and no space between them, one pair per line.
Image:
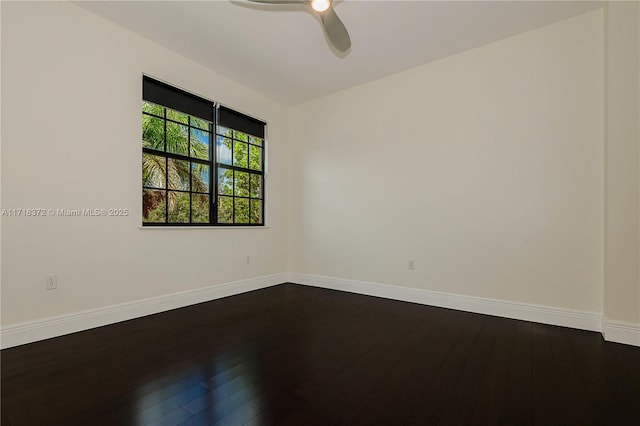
224,390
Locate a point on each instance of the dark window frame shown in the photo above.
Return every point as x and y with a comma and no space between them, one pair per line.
169,97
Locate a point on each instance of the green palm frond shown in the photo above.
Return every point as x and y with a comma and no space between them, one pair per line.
153,171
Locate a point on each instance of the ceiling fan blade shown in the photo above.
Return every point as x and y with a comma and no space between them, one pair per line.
335,30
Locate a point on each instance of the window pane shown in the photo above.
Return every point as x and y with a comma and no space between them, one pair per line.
256,211
225,209
255,182
241,184
200,208
177,138
255,157
199,177
178,207
200,141
178,174
224,150
153,171
240,136
225,181
177,116
223,131
255,141
240,154
153,206
202,124
152,108
152,132
242,210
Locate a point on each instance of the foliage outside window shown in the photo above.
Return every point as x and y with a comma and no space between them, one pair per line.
186,180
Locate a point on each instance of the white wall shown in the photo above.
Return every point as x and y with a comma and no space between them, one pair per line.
71,92
622,144
486,168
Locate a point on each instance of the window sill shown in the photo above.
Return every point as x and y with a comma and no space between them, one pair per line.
191,228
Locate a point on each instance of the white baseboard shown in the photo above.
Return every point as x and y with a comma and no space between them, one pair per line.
31,331
523,311
621,332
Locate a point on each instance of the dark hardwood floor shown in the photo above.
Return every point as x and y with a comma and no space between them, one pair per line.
295,355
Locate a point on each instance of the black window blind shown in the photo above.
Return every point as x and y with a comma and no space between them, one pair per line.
162,94
238,121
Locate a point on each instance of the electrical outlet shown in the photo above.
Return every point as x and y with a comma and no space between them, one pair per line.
248,259
412,265
51,282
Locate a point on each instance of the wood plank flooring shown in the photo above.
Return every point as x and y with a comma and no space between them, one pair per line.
296,355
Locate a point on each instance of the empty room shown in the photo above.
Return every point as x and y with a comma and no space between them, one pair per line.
327,212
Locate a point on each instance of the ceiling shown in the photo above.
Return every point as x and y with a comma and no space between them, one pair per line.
281,51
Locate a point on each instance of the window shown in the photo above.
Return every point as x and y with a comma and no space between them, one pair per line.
187,178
